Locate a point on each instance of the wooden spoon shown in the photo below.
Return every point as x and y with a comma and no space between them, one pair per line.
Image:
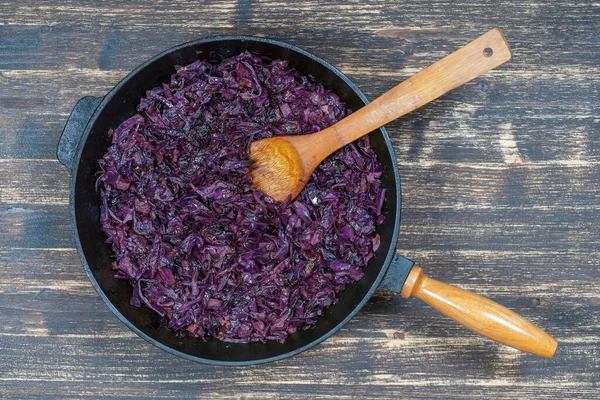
283,165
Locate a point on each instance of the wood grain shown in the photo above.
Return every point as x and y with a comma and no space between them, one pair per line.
501,194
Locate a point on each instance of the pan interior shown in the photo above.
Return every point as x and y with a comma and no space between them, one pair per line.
121,104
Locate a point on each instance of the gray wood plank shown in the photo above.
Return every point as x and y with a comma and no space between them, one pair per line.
431,183
477,229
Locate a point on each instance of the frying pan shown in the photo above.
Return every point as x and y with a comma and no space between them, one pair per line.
84,141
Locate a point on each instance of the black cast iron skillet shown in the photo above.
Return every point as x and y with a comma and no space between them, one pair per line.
84,141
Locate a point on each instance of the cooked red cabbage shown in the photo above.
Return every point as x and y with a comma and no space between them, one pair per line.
211,255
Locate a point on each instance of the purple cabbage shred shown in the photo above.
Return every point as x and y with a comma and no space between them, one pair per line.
201,247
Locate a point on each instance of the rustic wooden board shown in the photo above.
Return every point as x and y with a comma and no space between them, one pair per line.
501,194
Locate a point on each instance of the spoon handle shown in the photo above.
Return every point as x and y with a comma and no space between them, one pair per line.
479,314
474,59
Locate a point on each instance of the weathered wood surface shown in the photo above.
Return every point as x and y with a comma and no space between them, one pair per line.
501,192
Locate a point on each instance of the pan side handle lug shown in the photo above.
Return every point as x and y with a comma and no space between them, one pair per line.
74,128
397,273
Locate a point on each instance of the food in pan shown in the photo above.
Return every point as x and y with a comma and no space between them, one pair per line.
210,254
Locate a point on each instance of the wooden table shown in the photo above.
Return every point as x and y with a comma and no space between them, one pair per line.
501,185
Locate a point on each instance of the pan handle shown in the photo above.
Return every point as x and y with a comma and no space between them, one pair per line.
474,312
73,131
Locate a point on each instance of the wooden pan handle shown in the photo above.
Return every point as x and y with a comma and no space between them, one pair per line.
479,314
476,58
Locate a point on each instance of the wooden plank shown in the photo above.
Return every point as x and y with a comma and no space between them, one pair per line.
423,228
33,182
433,183
26,226
416,348
467,125
466,118
511,275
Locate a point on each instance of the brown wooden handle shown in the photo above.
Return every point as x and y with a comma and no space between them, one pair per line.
479,314
474,59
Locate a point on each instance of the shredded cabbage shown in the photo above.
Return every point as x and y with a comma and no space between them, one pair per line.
211,255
